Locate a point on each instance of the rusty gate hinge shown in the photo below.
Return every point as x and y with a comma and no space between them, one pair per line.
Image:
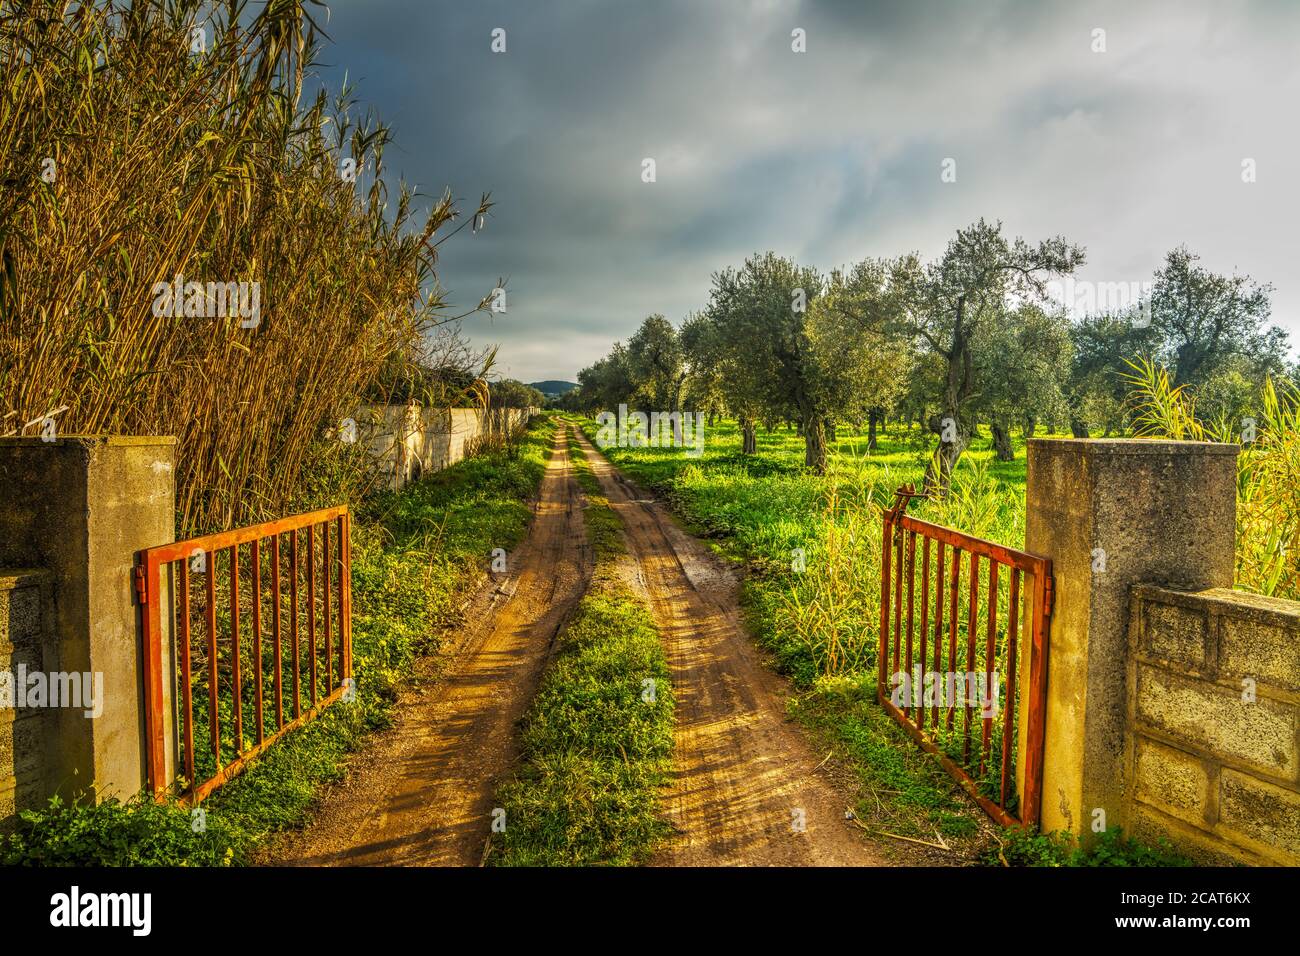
140,592
1049,596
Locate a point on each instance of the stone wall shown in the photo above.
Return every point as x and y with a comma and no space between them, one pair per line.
408,441
1212,722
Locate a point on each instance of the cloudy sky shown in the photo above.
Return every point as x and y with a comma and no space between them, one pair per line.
828,155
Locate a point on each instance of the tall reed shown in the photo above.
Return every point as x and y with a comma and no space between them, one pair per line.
135,150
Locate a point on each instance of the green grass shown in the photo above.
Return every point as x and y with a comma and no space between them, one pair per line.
414,555
1109,848
761,510
903,790
604,530
596,747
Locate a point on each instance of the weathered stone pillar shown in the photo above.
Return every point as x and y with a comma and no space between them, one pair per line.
79,507
1111,513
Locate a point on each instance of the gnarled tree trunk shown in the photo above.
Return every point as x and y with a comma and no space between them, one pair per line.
954,436
1002,446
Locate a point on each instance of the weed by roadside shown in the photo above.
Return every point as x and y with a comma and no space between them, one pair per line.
1109,848
905,799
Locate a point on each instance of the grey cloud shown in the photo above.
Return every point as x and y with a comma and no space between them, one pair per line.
830,155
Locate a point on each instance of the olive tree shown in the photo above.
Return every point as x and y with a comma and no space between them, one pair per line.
949,304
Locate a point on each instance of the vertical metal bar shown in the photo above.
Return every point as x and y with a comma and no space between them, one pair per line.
256,555
911,604
210,612
345,589
972,610
1038,649
990,658
187,702
293,621
329,631
897,635
311,605
1009,702
151,621
938,629
234,643
882,654
277,681
925,627
954,582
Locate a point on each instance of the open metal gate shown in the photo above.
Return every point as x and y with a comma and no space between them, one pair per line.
226,664
951,667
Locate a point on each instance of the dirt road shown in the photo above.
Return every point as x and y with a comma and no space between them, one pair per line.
421,794
747,789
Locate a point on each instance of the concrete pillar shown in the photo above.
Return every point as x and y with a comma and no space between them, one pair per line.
1111,513
80,507
26,641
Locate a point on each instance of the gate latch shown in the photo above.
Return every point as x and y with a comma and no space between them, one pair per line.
138,575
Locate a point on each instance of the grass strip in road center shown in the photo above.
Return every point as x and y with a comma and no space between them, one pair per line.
597,741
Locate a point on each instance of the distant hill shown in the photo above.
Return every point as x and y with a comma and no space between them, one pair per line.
553,389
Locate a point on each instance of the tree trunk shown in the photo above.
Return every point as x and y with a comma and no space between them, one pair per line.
1002,446
814,443
873,417
938,473
1031,426
954,433
748,440
1077,428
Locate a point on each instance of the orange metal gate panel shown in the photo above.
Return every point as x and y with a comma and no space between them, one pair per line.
205,767
947,651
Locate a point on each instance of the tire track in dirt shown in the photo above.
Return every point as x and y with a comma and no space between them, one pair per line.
421,794
744,775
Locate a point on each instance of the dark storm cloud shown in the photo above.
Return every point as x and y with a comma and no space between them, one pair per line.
828,156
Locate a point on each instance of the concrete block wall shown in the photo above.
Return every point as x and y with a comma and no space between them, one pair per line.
1212,723
408,441
1173,701
26,640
